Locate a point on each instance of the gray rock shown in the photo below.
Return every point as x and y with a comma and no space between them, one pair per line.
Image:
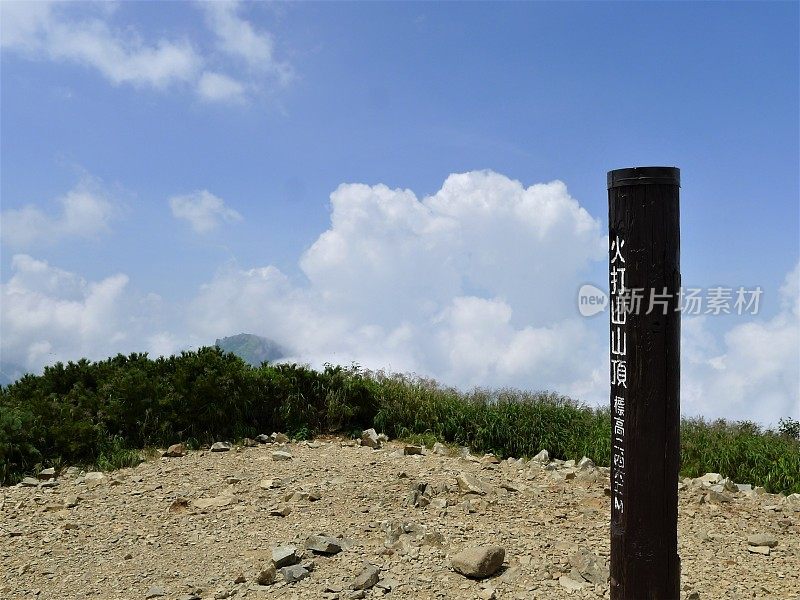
284,556
411,450
367,578
469,484
263,438
220,447
543,457
710,478
155,592
280,438
479,562
762,539
744,487
46,474
585,464
93,479
569,584
281,455
294,573
589,567
369,438
324,544
267,576
759,550
440,449
29,482
175,451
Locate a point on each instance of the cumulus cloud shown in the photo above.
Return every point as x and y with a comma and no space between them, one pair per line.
48,314
474,285
202,210
753,371
84,212
83,34
457,285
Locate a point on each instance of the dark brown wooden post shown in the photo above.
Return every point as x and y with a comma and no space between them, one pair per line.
644,277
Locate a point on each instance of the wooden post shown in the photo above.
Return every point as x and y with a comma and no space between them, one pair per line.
644,277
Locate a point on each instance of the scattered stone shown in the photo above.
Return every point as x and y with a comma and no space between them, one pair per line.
267,576
759,550
220,447
175,451
282,510
324,544
479,562
490,459
294,573
281,455
542,458
469,484
571,585
369,438
710,478
263,438
762,539
585,464
240,579
178,506
284,556
47,474
588,567
216,502
280,438
155,592
29,482
270,484
93,479
367,578
412,450
440,449
70,501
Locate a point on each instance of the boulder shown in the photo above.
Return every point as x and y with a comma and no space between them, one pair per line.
280,438
369,438
93,479
175,451
294,573
220,447
542,458
324,544
762,539
284,556
479,562
367,578
267,576
469,484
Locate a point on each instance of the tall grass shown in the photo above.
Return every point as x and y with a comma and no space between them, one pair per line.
104,413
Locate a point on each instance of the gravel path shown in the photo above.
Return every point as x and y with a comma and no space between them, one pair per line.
204,525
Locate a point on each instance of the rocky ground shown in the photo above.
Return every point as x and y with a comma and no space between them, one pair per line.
333,519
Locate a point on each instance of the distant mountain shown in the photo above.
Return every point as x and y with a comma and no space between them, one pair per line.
10,372
253,349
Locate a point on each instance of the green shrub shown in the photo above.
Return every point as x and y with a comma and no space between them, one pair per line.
104,413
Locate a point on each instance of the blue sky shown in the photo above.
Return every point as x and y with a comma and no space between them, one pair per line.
269,108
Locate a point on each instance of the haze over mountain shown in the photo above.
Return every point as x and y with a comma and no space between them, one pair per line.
253,349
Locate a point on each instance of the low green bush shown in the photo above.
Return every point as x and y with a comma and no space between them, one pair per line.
103,414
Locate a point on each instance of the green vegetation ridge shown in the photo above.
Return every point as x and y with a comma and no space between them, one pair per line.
104,413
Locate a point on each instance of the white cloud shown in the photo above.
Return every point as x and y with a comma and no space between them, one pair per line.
217,87
203,210
83,34
85,212
473,285
45,30
458,285
753,372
